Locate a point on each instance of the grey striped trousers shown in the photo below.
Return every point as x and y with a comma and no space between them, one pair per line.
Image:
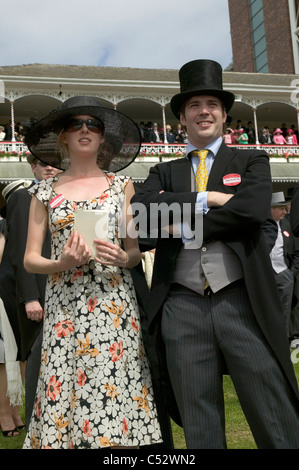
204,336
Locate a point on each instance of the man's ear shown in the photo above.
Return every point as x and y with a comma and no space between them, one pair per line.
182,119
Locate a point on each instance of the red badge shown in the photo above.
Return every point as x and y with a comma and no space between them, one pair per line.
233,179
56,201
286,234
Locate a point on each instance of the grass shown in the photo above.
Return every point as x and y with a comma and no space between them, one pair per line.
237,430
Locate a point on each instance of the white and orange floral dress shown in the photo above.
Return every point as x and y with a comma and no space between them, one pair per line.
94,388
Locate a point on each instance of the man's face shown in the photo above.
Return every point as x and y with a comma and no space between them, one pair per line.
204,118
278,212
42,171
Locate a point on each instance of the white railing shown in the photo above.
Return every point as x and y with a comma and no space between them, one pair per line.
156,152
159,152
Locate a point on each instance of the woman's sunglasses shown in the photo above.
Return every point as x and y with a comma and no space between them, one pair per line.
93,125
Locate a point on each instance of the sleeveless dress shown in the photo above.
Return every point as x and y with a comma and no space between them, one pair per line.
94,388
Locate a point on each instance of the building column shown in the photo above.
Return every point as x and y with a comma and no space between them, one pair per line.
255,127
164,124
12,117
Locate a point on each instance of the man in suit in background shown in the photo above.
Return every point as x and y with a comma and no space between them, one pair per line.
215,308
294,212
284,256
30,288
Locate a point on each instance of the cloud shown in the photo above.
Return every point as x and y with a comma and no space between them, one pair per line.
115,33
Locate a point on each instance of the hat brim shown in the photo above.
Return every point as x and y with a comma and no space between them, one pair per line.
122,137
226,97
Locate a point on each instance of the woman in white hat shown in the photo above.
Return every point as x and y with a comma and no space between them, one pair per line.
95,387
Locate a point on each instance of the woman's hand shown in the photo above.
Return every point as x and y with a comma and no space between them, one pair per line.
75,252
110,254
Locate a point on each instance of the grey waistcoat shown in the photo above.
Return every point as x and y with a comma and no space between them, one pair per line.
214,261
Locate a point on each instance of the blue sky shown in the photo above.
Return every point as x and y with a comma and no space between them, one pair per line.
131,33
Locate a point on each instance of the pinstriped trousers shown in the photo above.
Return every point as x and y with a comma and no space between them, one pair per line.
204,336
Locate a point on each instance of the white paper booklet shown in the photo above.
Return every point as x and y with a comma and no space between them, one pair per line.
91,224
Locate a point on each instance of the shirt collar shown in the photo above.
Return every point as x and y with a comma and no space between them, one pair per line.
213,147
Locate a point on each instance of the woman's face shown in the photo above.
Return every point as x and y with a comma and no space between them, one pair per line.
82,137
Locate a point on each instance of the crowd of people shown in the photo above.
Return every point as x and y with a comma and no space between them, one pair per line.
6,132
240,135
111,354
154,133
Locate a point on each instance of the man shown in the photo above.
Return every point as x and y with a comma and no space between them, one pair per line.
154,135
215,308
265,137
284,256
294,212
30,288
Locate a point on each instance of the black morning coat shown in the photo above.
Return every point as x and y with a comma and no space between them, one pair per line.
17,286
238,223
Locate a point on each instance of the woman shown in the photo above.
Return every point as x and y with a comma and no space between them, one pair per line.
95,388
278,138
291,138
243,137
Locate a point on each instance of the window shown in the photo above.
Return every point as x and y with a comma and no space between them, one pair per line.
258,36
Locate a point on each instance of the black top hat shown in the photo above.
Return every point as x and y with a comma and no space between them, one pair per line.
201,77
122,135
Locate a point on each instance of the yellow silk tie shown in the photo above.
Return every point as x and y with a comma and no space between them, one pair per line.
201,177
202,172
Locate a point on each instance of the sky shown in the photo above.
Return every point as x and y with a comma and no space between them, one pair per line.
160,34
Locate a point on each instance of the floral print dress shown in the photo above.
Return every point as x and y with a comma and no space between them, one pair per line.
94,388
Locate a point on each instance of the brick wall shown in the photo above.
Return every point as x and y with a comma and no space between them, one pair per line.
278,36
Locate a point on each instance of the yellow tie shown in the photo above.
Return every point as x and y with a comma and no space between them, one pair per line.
201,177
202,172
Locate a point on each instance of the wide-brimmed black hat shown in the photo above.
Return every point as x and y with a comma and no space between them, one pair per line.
122,135
201,77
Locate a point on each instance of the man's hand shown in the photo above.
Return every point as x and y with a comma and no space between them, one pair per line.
34,310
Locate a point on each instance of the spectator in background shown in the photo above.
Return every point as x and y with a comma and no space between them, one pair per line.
170,135
29,289
294,212
251,133
265,137
291,138
284,256
278,138
2,133
243,137
228,136
153,135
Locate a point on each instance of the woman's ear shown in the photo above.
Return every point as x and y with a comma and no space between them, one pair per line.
62,137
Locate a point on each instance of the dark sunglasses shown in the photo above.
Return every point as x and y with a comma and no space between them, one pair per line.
42,163
93,125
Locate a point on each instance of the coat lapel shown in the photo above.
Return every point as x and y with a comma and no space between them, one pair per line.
181,175
223,157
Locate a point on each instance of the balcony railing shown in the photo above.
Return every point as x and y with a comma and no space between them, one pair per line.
16,151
